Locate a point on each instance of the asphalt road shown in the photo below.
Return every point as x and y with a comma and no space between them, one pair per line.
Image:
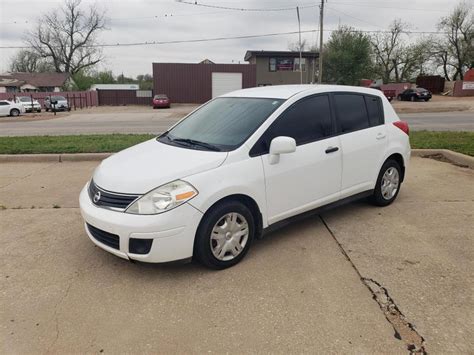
156,121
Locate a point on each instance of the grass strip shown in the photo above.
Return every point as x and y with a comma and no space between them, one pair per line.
462,142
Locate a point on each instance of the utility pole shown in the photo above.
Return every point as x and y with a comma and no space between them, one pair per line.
299,42
321,22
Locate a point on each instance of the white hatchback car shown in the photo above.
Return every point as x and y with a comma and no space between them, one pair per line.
240,163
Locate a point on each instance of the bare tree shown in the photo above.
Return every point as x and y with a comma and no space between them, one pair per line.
388,47
67,38
459,44
29,62
295,46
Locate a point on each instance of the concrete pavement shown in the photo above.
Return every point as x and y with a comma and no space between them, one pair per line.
146,120
296,291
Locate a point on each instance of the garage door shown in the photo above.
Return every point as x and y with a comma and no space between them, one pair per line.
223,83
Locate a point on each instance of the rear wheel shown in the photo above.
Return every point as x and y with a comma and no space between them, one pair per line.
224,236
413,99
388,184
14,112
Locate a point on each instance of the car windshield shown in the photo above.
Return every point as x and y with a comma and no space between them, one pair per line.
161,97
223,124
25,99
58,98
421,90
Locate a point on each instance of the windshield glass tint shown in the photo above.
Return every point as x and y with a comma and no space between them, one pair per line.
24,99
225,122
161,97
58,98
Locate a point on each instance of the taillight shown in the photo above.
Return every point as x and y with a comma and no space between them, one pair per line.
403,126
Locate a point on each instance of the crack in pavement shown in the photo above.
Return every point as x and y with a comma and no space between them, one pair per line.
404,330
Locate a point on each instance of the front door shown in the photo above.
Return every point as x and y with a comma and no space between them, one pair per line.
310,176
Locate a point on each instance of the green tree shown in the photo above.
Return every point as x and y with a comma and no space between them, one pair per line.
347,57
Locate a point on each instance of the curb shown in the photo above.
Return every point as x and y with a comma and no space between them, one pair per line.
452,157
37,158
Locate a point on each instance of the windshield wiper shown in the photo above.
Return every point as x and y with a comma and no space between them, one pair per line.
196,143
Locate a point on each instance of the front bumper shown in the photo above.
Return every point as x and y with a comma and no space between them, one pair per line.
172,232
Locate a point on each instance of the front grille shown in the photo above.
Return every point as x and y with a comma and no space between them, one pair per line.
109,239
101,197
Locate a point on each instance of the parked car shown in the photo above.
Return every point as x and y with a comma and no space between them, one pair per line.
57,103
29,104
161,101
389,94
10,108
241,163
414,95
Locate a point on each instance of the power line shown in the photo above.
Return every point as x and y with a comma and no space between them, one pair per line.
292,8
385,7
153,43
355,18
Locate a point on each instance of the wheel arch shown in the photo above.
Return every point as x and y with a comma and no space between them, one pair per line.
399,159
246,200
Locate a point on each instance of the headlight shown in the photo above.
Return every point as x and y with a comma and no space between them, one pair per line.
163,198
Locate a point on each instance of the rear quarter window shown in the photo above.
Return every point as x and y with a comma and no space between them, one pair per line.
374,110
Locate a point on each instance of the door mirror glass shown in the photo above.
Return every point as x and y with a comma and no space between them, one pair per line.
281,145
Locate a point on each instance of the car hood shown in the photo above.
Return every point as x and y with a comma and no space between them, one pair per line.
143,167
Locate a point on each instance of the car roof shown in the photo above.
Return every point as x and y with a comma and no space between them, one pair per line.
287,91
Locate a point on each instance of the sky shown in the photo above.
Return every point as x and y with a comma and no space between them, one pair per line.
132,21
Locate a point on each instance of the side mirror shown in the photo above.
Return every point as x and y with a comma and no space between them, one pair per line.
281,145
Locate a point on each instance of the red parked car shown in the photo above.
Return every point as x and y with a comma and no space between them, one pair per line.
161,101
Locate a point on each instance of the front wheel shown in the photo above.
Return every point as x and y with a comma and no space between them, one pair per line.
224,236
14,112
388,184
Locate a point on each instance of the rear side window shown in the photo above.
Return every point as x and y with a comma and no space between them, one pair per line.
308,120
375,111
351,112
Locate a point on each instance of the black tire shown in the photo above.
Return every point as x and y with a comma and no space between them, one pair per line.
378,198
427,100
39,111
46,109
413,99
202,244
399,97
14,112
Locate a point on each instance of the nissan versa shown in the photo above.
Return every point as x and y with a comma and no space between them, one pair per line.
240,163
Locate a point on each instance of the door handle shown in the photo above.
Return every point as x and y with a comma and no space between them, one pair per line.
380,136
331,150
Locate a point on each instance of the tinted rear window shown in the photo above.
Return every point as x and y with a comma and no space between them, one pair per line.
351,112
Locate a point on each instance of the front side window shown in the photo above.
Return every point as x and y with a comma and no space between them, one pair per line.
351,112
223,124
306,121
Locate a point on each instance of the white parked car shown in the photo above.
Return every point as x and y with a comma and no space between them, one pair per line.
28,104
10,108
240,163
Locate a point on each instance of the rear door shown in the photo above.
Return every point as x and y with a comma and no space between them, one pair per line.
363,136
